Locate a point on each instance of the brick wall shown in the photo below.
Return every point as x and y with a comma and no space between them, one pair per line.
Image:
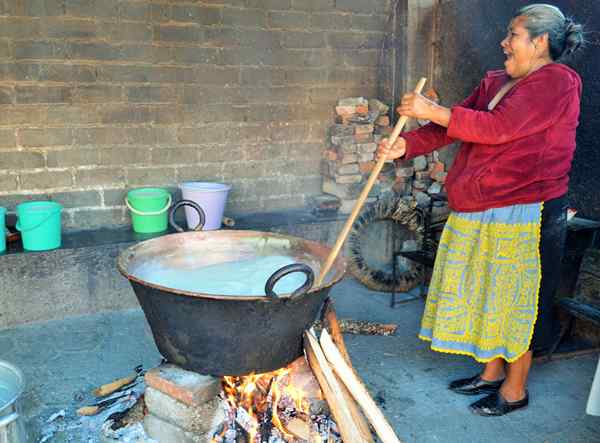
97,97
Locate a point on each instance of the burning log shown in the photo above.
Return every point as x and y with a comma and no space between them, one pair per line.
332,390
358,390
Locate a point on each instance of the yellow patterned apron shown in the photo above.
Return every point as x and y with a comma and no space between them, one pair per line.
483,294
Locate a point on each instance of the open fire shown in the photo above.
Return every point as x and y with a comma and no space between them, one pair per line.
280,406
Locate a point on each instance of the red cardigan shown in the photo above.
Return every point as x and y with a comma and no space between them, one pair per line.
520,152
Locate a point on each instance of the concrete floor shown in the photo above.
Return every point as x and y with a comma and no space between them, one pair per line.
64,360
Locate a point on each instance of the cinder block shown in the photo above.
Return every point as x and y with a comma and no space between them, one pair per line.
174,156
289,20
43,94
45,137
45,180
371,22
76,199
58,27
8,182
255,18
198,419
330,21
177,33
72,157
149,176
39,50
7,138
100,176
197,14
21,160
125,155
165,432
97,94
313,39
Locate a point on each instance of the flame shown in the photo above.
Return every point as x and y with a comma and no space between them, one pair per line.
255,393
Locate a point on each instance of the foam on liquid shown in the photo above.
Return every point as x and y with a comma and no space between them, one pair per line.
244,277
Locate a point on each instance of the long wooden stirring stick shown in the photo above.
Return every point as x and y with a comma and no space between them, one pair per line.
363,195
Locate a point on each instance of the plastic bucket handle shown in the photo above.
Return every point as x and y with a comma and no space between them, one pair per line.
20,228
161,211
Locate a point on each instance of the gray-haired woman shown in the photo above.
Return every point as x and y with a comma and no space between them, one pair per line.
497,266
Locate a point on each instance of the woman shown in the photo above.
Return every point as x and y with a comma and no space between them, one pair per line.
498,262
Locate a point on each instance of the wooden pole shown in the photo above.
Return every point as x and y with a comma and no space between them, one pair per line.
332,390
357,389
363,196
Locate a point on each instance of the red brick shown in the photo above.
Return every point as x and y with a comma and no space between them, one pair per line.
362,110
435,168
188,387
345,111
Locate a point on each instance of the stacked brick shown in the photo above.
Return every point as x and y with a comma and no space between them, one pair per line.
349,160
347,163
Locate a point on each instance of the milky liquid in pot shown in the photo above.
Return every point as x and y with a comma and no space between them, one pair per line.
6,395
242,277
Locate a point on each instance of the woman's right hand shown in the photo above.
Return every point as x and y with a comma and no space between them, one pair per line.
391,152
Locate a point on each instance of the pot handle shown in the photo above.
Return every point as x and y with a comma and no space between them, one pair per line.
196,206
295,267
5,421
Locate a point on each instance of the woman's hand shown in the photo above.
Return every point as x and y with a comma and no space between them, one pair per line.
391,152
417,106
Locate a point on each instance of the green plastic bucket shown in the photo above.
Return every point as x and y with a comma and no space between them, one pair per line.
149,209
39,223
2,230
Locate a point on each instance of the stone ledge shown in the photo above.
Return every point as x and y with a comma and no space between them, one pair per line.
268,221
81,277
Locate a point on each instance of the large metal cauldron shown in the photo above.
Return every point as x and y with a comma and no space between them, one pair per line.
220,334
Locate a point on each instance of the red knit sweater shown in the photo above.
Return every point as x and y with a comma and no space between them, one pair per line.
520,152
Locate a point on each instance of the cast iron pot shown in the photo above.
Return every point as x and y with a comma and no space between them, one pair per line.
224,334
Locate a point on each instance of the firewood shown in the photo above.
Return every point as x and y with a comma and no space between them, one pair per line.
331,390
88,410
300,429
331,322
114,386
337,337
358,390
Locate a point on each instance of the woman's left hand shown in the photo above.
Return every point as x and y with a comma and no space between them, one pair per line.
416,106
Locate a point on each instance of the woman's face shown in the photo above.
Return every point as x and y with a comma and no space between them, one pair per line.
522,53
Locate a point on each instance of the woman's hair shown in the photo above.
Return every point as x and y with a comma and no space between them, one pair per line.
564,35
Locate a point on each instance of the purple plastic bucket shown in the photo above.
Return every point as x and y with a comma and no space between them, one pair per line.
211,197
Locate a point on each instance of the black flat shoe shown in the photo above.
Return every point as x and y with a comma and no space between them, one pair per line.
474,386
495,405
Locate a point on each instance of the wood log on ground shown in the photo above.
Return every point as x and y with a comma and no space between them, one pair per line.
331,390
358,390
114,386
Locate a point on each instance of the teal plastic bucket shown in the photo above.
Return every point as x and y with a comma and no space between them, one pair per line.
39,223
149,209
2,230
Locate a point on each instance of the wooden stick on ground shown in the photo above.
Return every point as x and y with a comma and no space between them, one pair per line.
114,386
358,390
363,196
332,391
